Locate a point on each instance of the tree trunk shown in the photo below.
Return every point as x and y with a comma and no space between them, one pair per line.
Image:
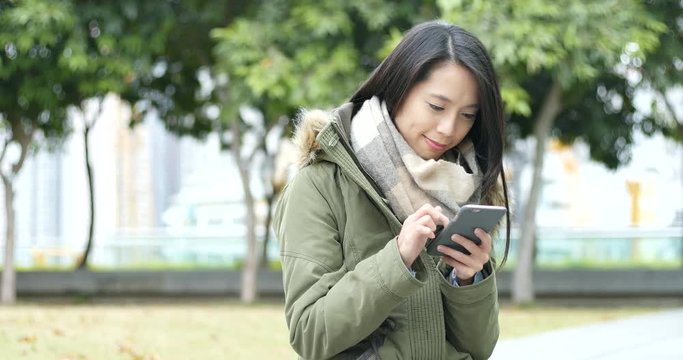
269,179
250,266
522,282
23,136
270,200
89,124
8,291
91,229
680,130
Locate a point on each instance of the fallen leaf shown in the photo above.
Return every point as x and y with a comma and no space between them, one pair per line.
28,339
74,357
128,349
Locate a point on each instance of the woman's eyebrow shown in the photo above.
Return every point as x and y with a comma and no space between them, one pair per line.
441,97
446,99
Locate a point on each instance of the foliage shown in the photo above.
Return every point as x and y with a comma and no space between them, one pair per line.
589,47
558,64
33,88
172,86
283,55
662,69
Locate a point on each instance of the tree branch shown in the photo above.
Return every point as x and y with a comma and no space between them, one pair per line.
670,108
5,145
89,122
260,145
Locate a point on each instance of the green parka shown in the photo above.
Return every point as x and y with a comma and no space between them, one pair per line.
348,294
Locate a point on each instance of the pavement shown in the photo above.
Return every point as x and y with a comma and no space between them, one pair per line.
653,336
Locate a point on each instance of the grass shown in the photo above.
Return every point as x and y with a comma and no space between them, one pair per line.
140,332
204,330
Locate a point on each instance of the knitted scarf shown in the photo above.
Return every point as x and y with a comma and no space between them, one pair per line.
407,180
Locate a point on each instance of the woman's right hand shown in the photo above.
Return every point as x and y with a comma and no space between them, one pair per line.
417,229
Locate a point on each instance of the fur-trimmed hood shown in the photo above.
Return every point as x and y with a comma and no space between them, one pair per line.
309,124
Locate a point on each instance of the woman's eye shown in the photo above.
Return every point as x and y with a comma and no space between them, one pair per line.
469,116
435,107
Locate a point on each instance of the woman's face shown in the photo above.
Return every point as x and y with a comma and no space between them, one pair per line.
438,112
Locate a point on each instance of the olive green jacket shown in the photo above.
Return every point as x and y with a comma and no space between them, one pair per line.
348,294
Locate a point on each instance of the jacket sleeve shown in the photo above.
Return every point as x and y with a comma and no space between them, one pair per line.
327,307
471,315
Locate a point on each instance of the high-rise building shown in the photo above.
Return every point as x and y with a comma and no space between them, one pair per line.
134,177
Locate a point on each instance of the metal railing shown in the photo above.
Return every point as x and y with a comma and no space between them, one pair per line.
655,247
556,247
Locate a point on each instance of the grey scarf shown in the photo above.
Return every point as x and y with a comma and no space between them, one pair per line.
407,180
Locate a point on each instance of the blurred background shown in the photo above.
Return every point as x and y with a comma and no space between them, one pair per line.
144,146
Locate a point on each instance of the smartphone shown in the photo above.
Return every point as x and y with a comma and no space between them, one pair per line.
468,218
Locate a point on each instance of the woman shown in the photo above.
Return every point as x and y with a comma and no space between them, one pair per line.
420,138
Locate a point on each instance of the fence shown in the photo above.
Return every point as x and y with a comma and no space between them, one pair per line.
653,247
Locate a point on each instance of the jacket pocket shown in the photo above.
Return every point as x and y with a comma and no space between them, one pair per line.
368,349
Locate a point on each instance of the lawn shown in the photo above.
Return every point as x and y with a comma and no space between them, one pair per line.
205,330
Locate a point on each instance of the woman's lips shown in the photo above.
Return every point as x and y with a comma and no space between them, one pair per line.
434,145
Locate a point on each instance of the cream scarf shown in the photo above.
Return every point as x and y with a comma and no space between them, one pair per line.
407,180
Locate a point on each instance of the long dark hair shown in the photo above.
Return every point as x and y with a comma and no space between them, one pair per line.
432,43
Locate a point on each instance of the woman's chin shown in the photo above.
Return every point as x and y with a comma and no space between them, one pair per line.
429,154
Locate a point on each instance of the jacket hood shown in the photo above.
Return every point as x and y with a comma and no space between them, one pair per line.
310,123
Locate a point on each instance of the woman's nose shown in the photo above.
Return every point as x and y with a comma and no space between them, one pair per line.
446,126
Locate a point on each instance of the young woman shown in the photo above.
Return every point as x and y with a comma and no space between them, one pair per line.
419,139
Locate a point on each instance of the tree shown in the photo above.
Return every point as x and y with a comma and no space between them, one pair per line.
552,48
661,69
152,63
67,54
32,93
283,55
109,47
661,72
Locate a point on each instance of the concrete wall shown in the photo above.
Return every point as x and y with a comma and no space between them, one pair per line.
135,283
601,283
222,282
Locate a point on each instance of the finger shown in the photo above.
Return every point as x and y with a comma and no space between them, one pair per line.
423,210
466,260
425,232
485,240
440,217
463,271
476,252
427,221
467,244
450,261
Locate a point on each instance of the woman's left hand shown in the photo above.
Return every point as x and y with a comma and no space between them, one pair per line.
466,266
